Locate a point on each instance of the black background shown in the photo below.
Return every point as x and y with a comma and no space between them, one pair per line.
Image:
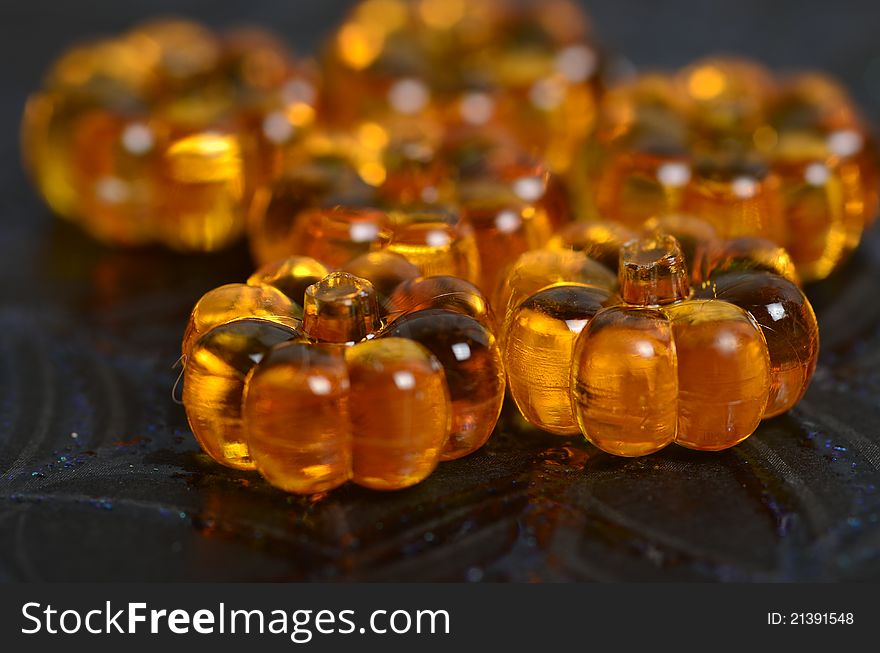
88,336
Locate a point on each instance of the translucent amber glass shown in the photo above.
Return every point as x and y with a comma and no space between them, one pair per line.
789,160
290,275
727,94
696,239
400,412
625,381
537,65
815,196
408,169
539,348
82,84
319,172
645,113
438,241
277,118
811,109
750,253
638,162
180,50
95,166
450,293
737,198
503,232
639,184
810,100
296,418
43,131
200,191
653,271
860,174
385,270
492,170
340,308
254,57
513,202
601,241
214,381
237,300
336,235
541,268
153,136
474,372
112,175
544,63
723,373
789,326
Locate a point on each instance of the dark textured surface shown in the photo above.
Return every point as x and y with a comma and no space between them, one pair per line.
102,480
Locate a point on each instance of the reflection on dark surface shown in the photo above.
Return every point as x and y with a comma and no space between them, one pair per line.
101,478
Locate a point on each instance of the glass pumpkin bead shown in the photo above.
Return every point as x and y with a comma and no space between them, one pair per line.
341,308
290,275
789,325
812,105
639,184
436,240
722,359
737,197
538,350
147,137
473,369
400,412
510,212
693,370
83,79
728,96
503,232
237,300
638,162
320,171
339,234
296,417
73,110
448,293
214,381
490,164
